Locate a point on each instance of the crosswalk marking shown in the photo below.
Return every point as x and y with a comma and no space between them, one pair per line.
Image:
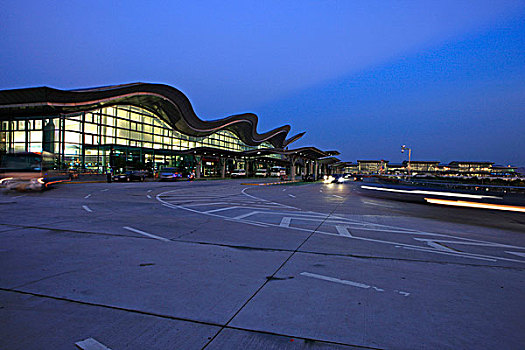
248,209
285,222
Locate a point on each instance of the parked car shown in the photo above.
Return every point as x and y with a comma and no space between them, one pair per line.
130,175
238,173
137,175
277,171
169,174
308,178
261,172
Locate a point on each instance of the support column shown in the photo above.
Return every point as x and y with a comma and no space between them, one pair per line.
316,170
292,167
198,165
83,149
223,167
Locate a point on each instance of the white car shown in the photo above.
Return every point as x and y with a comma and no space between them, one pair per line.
277,171
238,173
261,172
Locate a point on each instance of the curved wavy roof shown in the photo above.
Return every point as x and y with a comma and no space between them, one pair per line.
170,104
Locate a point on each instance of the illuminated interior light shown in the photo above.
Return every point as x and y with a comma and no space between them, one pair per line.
434,193
475,205
40,180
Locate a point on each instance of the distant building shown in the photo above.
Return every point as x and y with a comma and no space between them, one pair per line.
470,168
504,171
347,167
372,166
422,166
396,168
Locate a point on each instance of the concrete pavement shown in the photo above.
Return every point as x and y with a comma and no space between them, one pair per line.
220,265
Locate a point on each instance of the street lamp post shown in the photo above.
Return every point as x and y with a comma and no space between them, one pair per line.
403,149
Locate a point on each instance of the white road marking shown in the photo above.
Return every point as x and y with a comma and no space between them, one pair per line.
22,195
86,197
145,234
247,222
440,247
349,283
343,231
245,215
348,222
220,209
464,255
148,196
205,204
86,208
435,193
291,195
470,242
406,294
345,282
91,344
265,200
337,280
337,196
517,253
285,222
104,190
149,191
284,189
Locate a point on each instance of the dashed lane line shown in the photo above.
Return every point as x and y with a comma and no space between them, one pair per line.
86,208
349,283
86,197
291,195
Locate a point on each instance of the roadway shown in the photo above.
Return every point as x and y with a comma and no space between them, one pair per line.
222,265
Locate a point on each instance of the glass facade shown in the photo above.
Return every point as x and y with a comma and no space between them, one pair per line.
118,137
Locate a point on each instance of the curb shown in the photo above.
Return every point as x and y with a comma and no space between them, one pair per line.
84,182
270,183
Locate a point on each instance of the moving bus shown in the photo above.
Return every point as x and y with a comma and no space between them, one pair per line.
28,170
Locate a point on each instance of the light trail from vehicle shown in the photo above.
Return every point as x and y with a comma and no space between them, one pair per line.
475,205
435,193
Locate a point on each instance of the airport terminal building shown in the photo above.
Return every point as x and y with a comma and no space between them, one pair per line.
140,126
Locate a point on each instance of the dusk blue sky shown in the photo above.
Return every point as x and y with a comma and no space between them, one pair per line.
447,78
